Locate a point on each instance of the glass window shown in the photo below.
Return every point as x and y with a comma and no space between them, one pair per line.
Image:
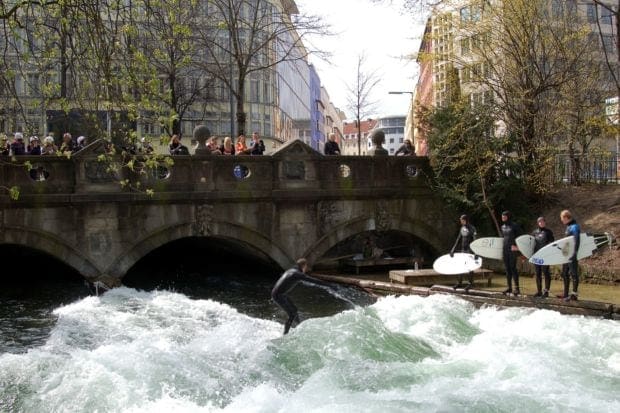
464,12
591,12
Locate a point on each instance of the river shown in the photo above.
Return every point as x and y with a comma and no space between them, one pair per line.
216,345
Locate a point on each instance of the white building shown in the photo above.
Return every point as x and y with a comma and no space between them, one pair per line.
394,129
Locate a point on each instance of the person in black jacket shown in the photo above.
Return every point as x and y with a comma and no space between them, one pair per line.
331,147
542,236
406,149
467,234
285,284
510,232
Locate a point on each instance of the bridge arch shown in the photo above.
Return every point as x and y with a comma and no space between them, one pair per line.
224,230
52,245
416,227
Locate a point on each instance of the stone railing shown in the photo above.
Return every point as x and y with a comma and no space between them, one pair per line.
295,171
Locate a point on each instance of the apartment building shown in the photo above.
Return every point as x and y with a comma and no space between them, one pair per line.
394,129
350,144
449,65
281,102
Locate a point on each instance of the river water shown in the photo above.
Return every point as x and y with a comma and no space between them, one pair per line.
218,347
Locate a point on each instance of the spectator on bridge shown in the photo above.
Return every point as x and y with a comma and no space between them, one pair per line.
35,146
67,146
145,146
49,147
17,146
176,147
331,147
406,149
255,146
5,148
240,147
81,143
227,147
212,145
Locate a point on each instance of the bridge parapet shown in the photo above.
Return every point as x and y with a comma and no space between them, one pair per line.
295,172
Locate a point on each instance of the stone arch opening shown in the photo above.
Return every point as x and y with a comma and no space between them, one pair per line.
398,237
222,269
50,246
244,238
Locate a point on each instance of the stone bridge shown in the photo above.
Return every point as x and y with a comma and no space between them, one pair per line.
295,203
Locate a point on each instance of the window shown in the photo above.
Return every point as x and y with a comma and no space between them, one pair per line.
465,46
464,12
591,13
605,16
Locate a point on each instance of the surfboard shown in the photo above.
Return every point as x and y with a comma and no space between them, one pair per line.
489,247
460,263
559,252
526,244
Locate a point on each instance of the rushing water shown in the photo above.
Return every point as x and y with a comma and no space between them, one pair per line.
136,351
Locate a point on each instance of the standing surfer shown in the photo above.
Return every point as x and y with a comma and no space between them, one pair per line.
542,236
285,284
510,232
467,233
572,268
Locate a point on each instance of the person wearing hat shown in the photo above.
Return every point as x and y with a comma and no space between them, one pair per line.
34,148
510,232
467,234
17,146
81,143
542,236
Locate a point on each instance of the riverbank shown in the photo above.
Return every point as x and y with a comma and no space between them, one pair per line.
594,300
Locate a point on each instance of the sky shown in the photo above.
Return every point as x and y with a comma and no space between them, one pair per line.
383,34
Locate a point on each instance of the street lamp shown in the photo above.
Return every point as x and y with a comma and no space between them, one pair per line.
411,111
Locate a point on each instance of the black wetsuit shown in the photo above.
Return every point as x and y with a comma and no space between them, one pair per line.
510,232
543,236
572,268
466,236
284,285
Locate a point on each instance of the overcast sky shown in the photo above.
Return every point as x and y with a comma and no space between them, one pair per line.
383,34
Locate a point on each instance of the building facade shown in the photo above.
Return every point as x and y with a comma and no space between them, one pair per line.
282,101
450,66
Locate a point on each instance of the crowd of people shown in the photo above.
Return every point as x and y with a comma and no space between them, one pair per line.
33,145
543,236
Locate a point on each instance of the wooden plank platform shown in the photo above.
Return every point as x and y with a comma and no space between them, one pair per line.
377,262
428,276
481,297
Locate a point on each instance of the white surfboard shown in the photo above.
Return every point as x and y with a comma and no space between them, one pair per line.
526,244
560,251
460,263
489,247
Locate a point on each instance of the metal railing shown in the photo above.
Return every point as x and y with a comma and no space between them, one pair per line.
587,169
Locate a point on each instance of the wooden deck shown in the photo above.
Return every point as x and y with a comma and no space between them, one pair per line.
378,262
428,277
